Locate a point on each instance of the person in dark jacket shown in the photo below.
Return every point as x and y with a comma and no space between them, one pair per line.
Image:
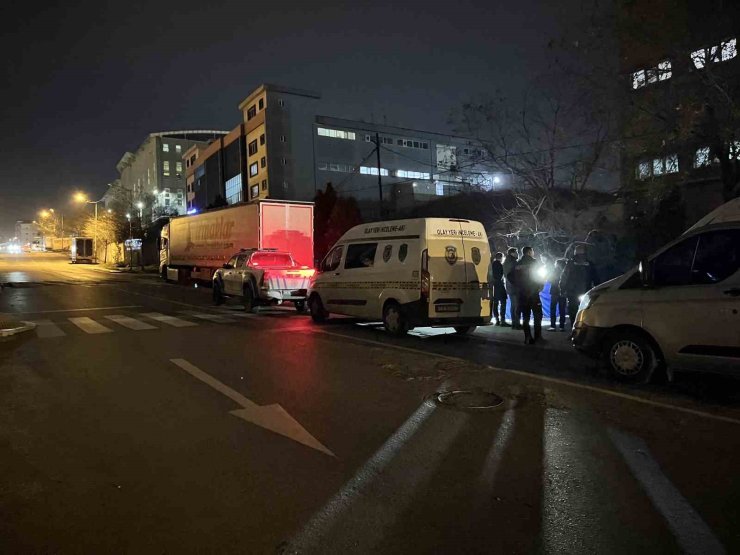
578,277
557,299
498,298
528,284
512,255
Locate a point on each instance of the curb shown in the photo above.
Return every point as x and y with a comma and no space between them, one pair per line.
17,327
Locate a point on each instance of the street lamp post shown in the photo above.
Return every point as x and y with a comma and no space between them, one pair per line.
82,197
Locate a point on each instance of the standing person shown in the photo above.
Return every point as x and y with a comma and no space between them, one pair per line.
498,299
557,299
578,277
528,285
512,255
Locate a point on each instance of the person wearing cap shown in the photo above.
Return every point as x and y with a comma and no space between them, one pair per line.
579,275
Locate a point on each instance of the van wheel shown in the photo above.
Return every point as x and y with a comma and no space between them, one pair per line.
300,306
462,330
248,298
629,357
394,320
218,295
318,312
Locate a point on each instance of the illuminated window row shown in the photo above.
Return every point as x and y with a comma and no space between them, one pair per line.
721,52
657,167
373,171
411,174
336,133
234,189
336,167
644,77
703,155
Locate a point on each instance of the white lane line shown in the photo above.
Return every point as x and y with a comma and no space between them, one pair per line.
690,531
169,320
79,309
47,328
205,316
88,325
495,454
130,323
567,383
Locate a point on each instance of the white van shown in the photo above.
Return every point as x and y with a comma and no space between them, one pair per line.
680,307
420,272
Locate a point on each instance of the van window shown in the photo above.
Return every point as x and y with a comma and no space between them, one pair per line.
387,252
331,260
403,250
360,256
717,257
673,267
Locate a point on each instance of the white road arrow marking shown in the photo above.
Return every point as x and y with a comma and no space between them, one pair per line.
271,417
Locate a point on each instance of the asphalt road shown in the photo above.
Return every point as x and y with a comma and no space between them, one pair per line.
139,418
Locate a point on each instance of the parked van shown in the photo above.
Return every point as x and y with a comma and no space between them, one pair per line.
680,307
420,272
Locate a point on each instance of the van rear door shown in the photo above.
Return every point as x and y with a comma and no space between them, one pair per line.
451,295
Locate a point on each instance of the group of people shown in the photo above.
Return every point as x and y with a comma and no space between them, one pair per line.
520,281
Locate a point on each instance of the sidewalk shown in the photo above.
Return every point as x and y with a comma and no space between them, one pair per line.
555,340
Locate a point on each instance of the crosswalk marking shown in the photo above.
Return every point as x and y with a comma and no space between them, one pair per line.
209,317
88,325
173,321
47,328
130,323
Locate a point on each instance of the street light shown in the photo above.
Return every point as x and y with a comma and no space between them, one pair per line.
140,206
82,198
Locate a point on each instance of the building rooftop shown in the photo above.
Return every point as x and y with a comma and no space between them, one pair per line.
269,87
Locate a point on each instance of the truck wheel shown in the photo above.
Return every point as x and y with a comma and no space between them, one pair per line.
462,330
318,312
629,357
300,306
394,320
218,295
248,298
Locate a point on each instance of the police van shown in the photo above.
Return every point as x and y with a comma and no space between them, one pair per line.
679,308
407,273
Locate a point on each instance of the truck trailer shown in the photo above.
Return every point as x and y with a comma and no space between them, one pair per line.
196,245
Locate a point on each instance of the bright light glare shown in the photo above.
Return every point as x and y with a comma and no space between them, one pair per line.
139,205
80,197
580,298
496,179
542,272
128,215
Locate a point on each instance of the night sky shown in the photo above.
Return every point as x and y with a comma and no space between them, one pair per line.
84,82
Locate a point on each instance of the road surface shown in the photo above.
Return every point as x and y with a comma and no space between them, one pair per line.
139,418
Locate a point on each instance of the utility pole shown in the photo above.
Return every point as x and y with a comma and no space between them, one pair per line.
380,178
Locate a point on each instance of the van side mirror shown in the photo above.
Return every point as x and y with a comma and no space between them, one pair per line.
645,274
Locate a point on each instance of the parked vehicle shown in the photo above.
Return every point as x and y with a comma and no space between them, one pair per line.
680,307
420,272
81,250
195,246
262,276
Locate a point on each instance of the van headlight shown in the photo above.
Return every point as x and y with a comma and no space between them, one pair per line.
587,300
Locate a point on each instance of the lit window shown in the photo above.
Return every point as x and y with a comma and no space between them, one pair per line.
734,150
722,52
165,147
373,171
412,174
253,169
648,76
166,167
658,165
729,49
701,157
671,163
699,57
336,133
178,148
643,170
234,189
178,167
252,148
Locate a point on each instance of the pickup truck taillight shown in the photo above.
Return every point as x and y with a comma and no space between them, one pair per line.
425,275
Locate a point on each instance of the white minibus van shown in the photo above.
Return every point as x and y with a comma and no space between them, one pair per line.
679,308
419,272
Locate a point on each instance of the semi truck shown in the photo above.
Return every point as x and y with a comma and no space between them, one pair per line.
193,247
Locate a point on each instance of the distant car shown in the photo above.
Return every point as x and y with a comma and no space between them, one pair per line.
262,277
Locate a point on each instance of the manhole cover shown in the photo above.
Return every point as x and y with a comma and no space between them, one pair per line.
473,399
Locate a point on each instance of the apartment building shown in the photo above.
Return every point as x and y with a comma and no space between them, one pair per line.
26,232
157,168
680,76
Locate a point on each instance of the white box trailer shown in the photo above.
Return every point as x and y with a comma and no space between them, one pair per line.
194,246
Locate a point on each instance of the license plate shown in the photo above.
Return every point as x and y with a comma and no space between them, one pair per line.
447,308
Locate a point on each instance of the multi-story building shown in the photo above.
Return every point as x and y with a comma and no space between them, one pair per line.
680,129
157,168
26,232
283,150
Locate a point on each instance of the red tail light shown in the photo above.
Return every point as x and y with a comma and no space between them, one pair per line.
425,281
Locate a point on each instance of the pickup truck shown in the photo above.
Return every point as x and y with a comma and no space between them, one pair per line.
262,277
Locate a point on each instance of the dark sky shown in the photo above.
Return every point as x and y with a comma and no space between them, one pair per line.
85,81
